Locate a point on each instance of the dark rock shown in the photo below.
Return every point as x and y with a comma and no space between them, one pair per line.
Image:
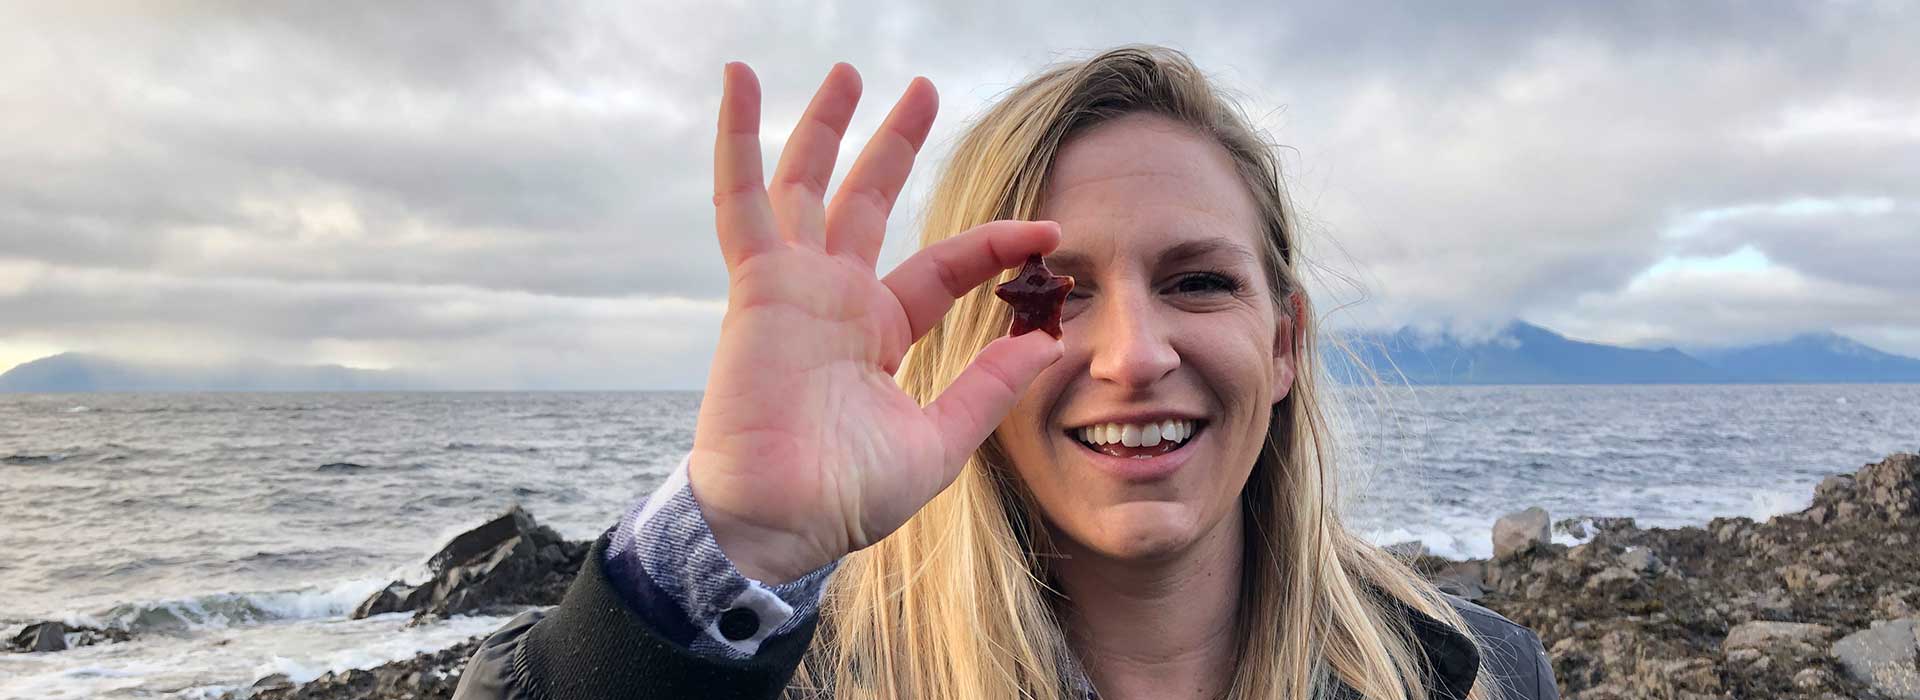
507,563
57,636
429,676
44,636
1467,579
1573,527
341,468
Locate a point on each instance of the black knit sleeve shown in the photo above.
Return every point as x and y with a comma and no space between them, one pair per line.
593,646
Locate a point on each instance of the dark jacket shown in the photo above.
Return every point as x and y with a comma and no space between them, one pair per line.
593,646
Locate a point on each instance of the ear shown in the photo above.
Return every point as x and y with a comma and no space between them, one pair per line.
1284,330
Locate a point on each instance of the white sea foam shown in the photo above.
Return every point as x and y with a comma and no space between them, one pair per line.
222,610
208,662
1766,504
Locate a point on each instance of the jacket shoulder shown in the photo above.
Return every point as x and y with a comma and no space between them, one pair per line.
1511,654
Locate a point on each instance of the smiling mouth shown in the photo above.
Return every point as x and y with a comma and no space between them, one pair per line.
1138,440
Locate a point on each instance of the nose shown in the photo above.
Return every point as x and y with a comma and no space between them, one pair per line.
1131,346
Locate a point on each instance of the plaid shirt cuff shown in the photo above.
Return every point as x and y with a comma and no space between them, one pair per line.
664,561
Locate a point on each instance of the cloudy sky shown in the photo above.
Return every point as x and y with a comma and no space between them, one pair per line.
517,194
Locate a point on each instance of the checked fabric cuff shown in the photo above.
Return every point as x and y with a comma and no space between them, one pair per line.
664,561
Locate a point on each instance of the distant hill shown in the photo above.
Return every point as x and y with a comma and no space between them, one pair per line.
82,372
1523,353
1814,357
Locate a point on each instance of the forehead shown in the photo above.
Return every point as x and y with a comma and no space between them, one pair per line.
1145,179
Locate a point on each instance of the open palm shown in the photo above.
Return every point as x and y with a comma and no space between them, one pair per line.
805,448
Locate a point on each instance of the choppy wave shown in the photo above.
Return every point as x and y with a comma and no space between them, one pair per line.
486,447
223,610
32,459
219,663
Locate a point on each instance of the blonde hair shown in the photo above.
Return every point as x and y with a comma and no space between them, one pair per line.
955,604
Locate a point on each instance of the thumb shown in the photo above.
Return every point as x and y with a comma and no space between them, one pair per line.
969,410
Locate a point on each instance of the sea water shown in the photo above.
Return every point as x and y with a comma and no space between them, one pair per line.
235,531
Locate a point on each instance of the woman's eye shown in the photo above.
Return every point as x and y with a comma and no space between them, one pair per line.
1203,283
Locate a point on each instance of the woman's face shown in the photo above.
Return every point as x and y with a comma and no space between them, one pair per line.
1170,325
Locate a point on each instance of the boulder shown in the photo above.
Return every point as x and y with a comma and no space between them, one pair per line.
1763,636
1519,531
1466,579
44,636
1884,656
507,563
58,636
1641,560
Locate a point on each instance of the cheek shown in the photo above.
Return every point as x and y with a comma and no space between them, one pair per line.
1234,360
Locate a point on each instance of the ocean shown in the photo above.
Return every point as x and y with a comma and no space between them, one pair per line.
235,531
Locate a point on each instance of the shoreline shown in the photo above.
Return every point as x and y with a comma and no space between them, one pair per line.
1807,604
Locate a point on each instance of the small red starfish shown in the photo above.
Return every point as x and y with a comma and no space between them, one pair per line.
1036,297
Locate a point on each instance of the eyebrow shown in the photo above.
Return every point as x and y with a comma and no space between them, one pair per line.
1182,252
1209,247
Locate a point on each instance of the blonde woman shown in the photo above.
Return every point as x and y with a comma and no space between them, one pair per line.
888,499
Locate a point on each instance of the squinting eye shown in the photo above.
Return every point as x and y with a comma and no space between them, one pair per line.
1205,282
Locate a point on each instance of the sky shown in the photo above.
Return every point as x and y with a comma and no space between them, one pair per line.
517,194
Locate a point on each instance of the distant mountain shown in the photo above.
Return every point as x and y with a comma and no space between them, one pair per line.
81,372
1523,353
1814,357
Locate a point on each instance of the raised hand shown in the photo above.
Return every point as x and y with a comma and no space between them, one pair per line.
806,450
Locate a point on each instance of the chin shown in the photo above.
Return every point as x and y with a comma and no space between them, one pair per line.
1143,531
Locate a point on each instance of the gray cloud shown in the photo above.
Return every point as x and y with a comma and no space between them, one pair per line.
328,182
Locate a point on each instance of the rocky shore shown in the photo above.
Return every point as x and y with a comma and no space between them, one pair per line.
1823,603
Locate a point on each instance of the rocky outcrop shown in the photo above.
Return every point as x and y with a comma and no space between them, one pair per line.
500,567
1734,609
510,562
58,636
423,677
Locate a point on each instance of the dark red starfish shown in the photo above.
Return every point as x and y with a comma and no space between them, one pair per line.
1036,297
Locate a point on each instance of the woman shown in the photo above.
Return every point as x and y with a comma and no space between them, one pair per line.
1140,509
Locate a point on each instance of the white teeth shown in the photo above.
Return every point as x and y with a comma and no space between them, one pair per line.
1136,435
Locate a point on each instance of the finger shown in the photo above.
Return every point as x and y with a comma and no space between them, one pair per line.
741,214
977,400
800,180
857,218
927,283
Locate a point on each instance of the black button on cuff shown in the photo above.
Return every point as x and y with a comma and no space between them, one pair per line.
739,624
